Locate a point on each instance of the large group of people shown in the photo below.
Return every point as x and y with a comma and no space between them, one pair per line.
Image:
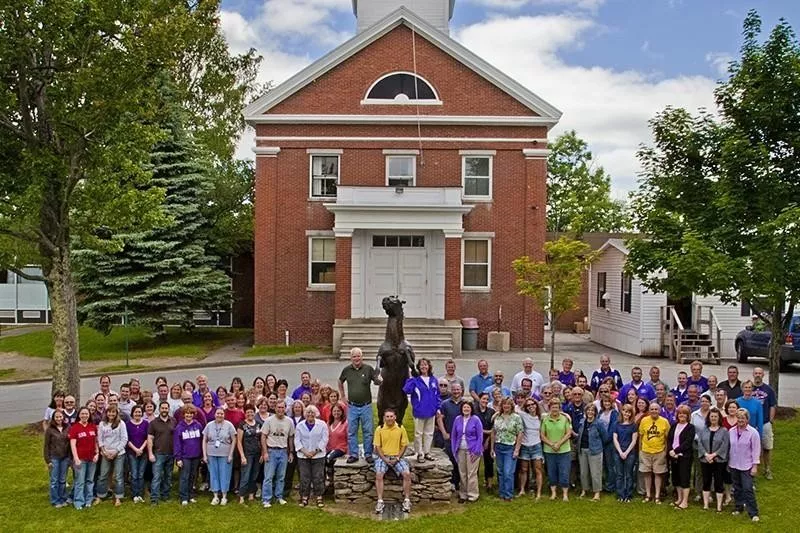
597,433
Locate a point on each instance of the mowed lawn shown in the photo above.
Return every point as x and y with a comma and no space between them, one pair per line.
24,507
95,346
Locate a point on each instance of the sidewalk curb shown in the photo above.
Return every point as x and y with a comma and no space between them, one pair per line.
189,366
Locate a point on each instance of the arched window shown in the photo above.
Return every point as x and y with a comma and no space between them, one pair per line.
402,87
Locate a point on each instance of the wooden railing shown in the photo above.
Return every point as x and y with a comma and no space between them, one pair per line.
672,331
709,325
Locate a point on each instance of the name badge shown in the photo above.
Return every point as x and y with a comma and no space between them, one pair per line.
216,444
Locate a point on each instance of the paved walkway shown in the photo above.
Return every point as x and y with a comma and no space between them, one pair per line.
26,402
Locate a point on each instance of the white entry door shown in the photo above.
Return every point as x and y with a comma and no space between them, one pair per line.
393,269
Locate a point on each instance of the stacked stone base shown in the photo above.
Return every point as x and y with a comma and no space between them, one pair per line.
430,481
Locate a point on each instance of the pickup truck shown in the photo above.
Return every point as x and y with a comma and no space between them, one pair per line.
753,343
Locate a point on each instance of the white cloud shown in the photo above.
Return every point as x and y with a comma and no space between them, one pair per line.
608,108
308,18
589,5
719,61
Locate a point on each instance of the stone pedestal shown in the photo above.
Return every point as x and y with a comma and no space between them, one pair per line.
498,341
430,481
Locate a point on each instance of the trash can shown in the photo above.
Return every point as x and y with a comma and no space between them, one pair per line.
469,333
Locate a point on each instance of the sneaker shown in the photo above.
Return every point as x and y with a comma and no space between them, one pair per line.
204,487
184,503
735,513
266,505
379,507
192,500
370,459
281,501
215,500
406,505
351,460
421,459
223,501
768,474
756,519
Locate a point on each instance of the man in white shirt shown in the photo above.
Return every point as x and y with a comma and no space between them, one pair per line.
530,373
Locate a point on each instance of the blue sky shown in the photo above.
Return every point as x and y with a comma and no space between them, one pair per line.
609,65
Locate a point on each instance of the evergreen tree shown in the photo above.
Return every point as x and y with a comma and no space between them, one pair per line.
163,274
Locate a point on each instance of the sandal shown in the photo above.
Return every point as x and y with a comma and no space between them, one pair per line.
646,499
658,501
320,503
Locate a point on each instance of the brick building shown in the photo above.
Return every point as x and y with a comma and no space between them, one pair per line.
399,163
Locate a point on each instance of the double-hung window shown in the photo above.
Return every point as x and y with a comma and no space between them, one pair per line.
401,170
322,262
476,171
324,175
476,264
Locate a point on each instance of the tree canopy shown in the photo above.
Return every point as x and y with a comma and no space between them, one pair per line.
78,118
554,284
719,195
578,192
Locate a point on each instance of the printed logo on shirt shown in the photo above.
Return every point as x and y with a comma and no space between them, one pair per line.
190,434
653,432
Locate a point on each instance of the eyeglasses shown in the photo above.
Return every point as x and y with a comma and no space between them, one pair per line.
604,390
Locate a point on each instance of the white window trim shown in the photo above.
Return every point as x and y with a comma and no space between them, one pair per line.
318,286
476,197
488,287
414,176
400,151
324,153
380,101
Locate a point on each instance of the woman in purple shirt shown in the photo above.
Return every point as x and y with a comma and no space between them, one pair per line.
187,445
743,459
137,443
466,440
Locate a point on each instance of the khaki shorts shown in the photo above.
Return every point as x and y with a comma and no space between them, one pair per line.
653,462
767,437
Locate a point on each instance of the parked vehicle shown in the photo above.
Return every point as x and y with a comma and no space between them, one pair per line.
753,343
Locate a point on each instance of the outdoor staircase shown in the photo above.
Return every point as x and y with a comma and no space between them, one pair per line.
693,344
432,339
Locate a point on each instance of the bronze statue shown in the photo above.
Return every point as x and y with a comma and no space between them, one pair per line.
395,360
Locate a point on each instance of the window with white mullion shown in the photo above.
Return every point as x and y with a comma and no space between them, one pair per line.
324,175
477,176
322,261
401,170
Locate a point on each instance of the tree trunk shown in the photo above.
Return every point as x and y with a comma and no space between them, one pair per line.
552,342
776,326
66,357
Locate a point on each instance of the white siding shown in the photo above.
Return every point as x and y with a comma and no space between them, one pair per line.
730,321
650,319
611,326
435,12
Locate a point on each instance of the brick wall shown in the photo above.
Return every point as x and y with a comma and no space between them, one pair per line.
284,212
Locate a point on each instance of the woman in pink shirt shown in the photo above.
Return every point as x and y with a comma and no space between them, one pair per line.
337,435
743,459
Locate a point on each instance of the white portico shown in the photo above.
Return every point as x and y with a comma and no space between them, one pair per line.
398,246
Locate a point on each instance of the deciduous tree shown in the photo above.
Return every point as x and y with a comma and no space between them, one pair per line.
78,119
719,196
555,283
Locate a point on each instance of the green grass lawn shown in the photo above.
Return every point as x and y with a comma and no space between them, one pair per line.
95,346
24,506
281,349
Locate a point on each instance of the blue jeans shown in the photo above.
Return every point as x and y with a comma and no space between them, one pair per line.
506,466
626,475
274,471
188,475
247,479
220,470
162,477
558,467
743,495
610,467
118,464
136,466
363,415
83,480
58,480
